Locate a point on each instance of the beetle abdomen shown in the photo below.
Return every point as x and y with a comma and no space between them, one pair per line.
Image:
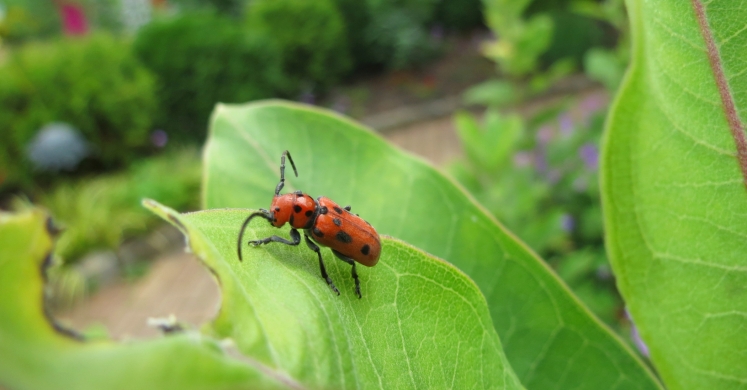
347,233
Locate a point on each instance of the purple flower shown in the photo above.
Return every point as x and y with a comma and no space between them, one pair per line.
437,33
540,161
554,175
307,97
567,223
159,138
604,273
523,159
566,123
544,135
590,155
637,340
591,105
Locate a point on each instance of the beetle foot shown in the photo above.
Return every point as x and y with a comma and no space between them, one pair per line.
332,286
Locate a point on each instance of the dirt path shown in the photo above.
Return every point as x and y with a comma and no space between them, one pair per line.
176,284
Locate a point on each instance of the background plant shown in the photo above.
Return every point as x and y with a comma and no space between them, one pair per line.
95,84
539,179
311,38
539,42
100,213
397,35
25,20
196,69
538,175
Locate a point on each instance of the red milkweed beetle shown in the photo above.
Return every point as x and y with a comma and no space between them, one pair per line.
350,237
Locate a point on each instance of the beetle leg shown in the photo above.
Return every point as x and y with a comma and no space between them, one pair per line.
326,277
355,274
262,213
295,236
347,208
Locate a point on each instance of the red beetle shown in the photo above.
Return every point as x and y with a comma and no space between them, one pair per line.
350,237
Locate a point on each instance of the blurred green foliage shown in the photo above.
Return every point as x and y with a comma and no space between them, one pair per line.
461,15
540,42
232,8
311,38
28,19
520,41
573,34
539,178
202,58
398,34
99,213
607,64
93,83
356,17
539,175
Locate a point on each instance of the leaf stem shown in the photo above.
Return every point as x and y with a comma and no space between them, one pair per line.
735,124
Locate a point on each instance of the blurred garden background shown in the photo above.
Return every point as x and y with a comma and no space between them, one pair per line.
106,102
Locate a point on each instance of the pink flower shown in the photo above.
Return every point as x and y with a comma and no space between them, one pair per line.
73,19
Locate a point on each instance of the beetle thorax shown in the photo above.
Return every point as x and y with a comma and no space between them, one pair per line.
296,208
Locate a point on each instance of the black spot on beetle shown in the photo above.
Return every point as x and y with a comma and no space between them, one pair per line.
337,221
347,208
291,219
309,212
365,249
277,208
323,210
338,210
343,237
297,208
317,232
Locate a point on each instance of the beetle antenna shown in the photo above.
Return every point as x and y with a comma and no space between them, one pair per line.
282,171
262,213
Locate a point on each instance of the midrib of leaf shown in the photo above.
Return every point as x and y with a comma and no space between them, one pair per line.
714,58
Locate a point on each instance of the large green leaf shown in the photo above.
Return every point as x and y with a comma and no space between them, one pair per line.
674,189
35,353
551,340
421,323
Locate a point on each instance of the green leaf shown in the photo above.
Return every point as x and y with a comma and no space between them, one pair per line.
550,339
674,190
37,353
420,324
